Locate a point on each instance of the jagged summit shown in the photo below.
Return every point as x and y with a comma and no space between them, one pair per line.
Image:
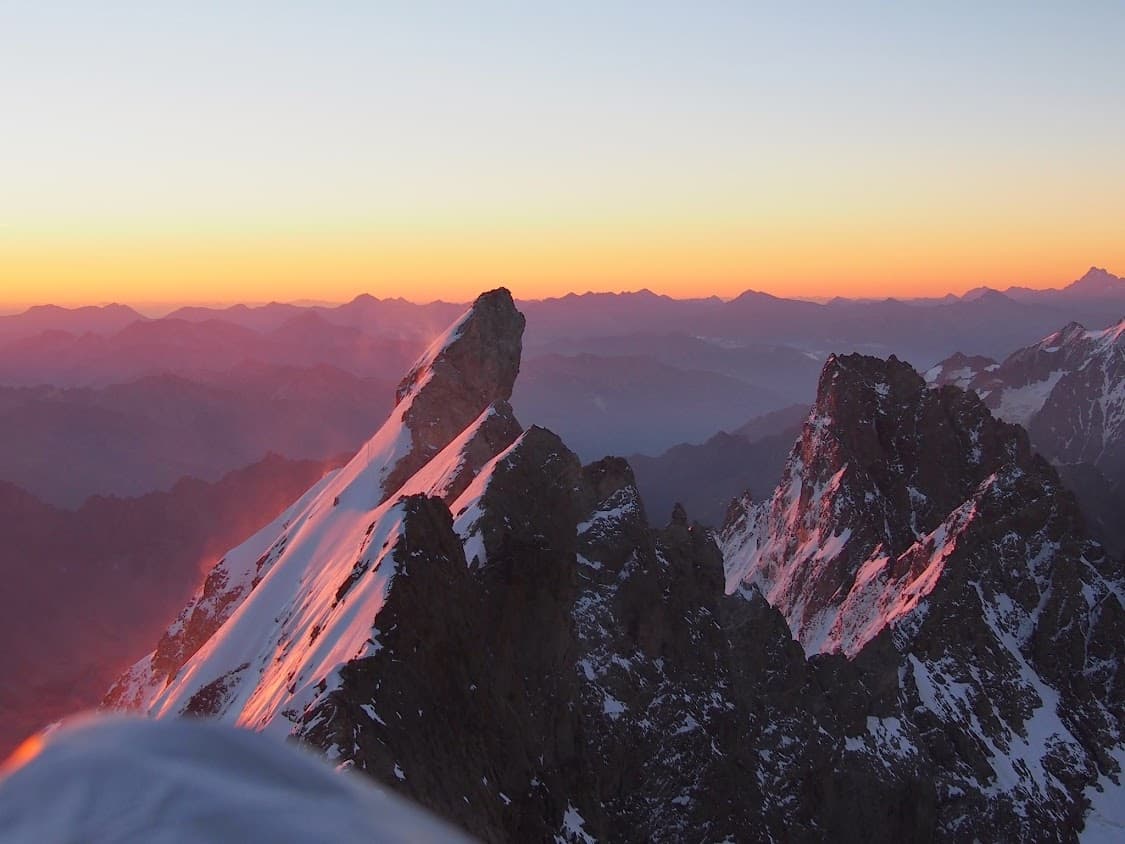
470,637
923,539
880,465
1072,332
470,367
1097,280
679,515
479,354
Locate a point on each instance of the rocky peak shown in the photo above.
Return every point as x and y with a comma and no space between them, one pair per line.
504,638
679,515
537,461
608,477
909,454
738,511
1072,332
471,366
478,355
451,418
881,463
1033,371
1097,281
924,540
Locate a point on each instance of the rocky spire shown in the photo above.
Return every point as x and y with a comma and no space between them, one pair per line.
471,366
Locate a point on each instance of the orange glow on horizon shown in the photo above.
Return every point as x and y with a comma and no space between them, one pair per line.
155,269
198,155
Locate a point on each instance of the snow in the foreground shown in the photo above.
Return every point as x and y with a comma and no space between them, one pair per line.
115,779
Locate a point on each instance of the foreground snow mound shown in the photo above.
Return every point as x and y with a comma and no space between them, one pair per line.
115,779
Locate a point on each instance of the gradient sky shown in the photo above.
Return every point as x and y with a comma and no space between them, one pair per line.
204,152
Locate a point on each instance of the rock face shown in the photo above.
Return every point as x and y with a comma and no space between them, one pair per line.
504,638
473,365
924,540
881,464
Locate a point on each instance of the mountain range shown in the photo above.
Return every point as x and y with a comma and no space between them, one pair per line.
913,637
611,373
1068,391
90,345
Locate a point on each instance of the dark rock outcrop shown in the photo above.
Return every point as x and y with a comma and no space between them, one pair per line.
470,367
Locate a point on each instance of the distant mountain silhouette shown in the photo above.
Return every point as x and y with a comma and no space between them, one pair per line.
96,585
64,445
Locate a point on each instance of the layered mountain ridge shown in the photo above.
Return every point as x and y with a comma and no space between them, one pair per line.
1068,390
468,614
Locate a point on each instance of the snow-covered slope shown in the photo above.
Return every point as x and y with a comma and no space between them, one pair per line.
1068,390
330,584
279,614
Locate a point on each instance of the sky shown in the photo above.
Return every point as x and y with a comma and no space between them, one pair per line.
249,151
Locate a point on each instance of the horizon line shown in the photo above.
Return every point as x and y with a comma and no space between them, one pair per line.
159,309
